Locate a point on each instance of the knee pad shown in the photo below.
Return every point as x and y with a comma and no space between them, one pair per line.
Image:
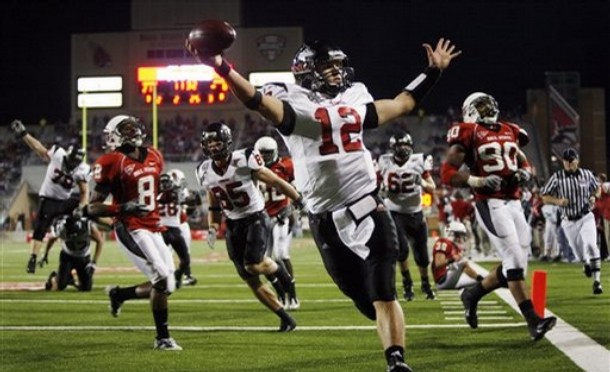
161,285
514,275
501,278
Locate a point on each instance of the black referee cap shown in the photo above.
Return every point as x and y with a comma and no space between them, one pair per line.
570,154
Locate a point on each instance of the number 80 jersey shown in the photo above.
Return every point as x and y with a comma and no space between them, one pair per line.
491,150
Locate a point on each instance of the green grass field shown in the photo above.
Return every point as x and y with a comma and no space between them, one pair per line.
223,328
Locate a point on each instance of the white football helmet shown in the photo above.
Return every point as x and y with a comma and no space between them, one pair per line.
178,177
480,108
456,231
123,130
267,147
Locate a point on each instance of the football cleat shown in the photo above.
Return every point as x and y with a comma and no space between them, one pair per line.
397,365
293,304
48,285
115,303
189,280
167,344
31,268
538,330
470,309
287,325
597,288
586,269
425,288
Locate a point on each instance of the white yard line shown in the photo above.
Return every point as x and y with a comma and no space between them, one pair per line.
244,329
585,352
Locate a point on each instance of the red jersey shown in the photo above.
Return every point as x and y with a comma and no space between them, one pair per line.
462,209
275,201
491,150
130,179
451,251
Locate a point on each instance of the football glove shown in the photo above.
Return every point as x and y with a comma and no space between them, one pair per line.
133,207
522,176
18,127
493,182
212,237
90,268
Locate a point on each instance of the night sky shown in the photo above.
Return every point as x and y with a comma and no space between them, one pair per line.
507,45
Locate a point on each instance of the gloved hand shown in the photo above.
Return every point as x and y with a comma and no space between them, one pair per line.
212,237
90,268
18,127
43,261
493,182
282,217
522,176
133,207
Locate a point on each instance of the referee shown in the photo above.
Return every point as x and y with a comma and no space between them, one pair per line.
574,189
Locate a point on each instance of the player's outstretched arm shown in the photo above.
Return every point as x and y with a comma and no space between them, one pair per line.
270,107
34,144
439,59
268,177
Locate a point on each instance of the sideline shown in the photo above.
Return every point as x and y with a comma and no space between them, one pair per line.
585,352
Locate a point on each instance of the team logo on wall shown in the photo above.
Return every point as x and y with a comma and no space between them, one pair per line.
271,46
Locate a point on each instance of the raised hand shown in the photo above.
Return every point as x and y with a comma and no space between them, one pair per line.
442,55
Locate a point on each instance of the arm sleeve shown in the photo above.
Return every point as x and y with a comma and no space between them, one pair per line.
371,120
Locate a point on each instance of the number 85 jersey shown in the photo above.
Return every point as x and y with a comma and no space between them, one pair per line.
491,150
234,188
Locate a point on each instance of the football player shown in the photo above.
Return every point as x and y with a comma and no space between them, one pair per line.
188,201
230,179
491,149
130,173
65,172
75,234
405,176
448,263
321,119
279,210
170,210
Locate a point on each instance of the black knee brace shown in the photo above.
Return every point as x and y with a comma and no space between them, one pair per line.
161,285
514,275
501,278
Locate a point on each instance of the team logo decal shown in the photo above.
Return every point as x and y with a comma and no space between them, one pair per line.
129,169
271,46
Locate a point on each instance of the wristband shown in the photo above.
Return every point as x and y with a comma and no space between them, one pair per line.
215,209
476,182
23,134
423,83
224,69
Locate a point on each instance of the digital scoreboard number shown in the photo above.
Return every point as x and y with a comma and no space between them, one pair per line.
190,85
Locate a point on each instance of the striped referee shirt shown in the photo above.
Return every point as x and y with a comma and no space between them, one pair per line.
577,187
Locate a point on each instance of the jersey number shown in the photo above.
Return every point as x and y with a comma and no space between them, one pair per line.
497,156
146,192
65,180
349,144
231,198
404,183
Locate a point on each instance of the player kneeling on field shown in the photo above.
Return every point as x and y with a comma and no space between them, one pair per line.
448,265
75,233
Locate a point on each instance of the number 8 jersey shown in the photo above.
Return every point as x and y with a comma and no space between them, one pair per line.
491,150
128,179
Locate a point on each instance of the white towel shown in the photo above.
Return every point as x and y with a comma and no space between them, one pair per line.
354,236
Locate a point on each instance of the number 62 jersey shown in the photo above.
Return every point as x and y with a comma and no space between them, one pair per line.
491,149
402,182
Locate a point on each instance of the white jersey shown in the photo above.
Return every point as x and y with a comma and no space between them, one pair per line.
237,192
402,183
58,182
331,164
170,208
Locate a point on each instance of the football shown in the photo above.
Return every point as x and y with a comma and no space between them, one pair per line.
212,37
